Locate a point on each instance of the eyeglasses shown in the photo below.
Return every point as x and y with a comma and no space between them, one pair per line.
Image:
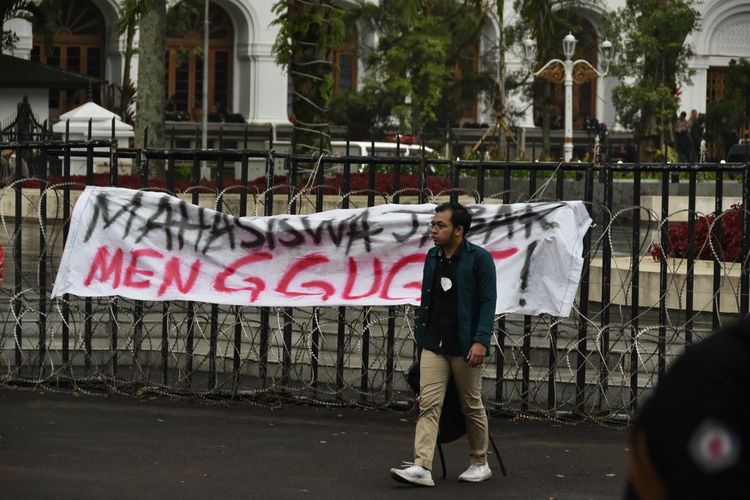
438,225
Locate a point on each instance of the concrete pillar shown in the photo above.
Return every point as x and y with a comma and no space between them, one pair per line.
268,89
694,96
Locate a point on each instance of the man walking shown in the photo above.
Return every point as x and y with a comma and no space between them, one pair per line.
454,326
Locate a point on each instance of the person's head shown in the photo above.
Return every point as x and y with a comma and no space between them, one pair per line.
450,224
694,113
692,438
683,115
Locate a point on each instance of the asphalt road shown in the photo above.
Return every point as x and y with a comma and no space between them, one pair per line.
55,445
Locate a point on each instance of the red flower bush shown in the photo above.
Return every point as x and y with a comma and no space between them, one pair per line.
728,244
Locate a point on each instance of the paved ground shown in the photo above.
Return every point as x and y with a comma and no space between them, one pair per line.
58,446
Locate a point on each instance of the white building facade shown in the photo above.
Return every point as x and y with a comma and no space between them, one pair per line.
242,67
244,77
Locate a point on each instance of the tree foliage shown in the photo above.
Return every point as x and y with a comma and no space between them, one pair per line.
726,117
422,68
652,65
366,113
543,19
128,18
308,34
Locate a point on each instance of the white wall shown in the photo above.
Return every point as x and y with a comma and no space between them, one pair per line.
723,35
259,84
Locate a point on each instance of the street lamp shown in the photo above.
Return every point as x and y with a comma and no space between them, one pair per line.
567,72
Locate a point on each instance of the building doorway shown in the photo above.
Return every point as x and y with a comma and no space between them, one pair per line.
184,60
77,46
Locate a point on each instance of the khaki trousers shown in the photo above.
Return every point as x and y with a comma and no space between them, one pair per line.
435,371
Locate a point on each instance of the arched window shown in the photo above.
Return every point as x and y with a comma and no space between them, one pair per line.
184,84
584,95
78,46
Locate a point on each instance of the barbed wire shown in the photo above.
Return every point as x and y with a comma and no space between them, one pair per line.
581,367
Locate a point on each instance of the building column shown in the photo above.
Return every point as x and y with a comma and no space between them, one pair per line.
268,90
694,96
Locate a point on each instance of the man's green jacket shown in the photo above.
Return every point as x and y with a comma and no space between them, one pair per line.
477,294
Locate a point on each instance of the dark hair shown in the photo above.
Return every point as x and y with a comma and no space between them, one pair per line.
459,215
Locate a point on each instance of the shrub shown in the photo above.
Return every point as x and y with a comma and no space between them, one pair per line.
728,244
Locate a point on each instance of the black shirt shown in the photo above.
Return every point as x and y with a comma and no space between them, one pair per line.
442,329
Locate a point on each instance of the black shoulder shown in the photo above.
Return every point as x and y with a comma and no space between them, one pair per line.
480,252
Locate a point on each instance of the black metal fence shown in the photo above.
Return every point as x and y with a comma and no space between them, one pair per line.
632,317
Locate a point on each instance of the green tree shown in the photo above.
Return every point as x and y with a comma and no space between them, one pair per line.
499,98
129,17
423,67
44,15
652,65
308,35
366,113
130,13
150,99
727,118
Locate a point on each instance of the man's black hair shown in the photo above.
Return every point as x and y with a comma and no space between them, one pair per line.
460,216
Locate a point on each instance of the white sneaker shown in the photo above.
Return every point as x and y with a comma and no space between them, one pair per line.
411,473
476,473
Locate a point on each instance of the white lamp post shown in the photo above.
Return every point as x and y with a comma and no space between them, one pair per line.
565,72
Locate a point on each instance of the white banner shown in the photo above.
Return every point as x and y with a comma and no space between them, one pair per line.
153,246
